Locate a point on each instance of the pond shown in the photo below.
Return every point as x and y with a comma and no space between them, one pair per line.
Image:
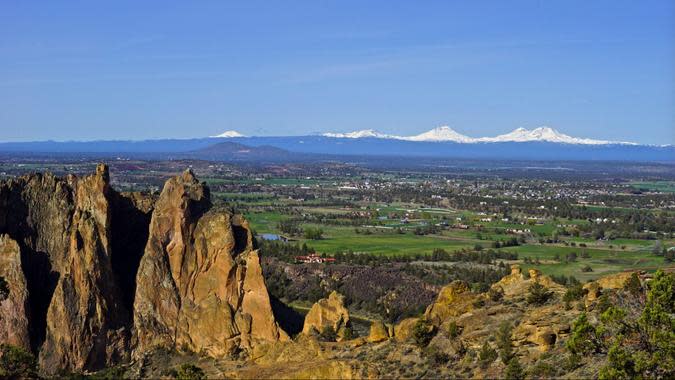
270,236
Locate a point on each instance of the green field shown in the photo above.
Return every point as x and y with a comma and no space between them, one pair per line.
602,261
661,186
383,239
341,239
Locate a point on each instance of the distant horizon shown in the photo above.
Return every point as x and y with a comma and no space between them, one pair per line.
385,133
129,70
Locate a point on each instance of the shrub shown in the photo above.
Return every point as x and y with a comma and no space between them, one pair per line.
348,333
453,330
538,294
583,339
4,289
328,334
504,342
620,364
486,355
16,363
112,373
189,371
495,295
633,285
542,370
514,371
438,357
423,332
574,293
604,303
313,233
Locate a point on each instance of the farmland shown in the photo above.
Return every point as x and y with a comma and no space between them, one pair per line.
565,227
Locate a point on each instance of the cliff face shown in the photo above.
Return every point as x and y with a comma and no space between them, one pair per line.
86,318
13,296
199,284
93,274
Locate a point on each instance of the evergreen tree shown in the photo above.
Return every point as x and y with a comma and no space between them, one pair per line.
514,371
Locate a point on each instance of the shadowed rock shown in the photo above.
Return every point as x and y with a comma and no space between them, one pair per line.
14,296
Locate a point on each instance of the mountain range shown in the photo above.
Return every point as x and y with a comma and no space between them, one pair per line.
541,143
445,133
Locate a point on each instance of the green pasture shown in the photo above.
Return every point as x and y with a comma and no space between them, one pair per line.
661,186
602,261
340,239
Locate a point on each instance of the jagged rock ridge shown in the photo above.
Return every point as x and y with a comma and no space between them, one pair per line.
94,274
199,283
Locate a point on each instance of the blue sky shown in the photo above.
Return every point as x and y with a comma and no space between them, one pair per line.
155,69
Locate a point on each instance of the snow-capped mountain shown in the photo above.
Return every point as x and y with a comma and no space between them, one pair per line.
541,134
229,134
443,133
359,134
447,134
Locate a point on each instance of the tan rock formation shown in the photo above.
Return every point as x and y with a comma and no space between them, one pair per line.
14,299
614,281
516,284
86,320
199,283
378,332
403,331
453,300
328,312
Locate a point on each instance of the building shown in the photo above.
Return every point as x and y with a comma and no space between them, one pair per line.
314,258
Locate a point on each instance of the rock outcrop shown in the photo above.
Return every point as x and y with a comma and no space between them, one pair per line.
516,284
403,331
199,283
594,289
86,319
63,229
79,259
542,327
328,312
378,332
13,296
453,300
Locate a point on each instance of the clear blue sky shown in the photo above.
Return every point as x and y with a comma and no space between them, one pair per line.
150,69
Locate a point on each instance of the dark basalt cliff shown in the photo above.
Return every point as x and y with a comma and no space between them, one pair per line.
95,274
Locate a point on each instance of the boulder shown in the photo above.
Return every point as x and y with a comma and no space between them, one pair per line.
593,292
453,300
378,332
328,312
543,326
403,331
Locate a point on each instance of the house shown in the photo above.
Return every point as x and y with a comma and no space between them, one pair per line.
314,258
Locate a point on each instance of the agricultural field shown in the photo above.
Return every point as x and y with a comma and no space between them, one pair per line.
659,186
395,229
567,227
